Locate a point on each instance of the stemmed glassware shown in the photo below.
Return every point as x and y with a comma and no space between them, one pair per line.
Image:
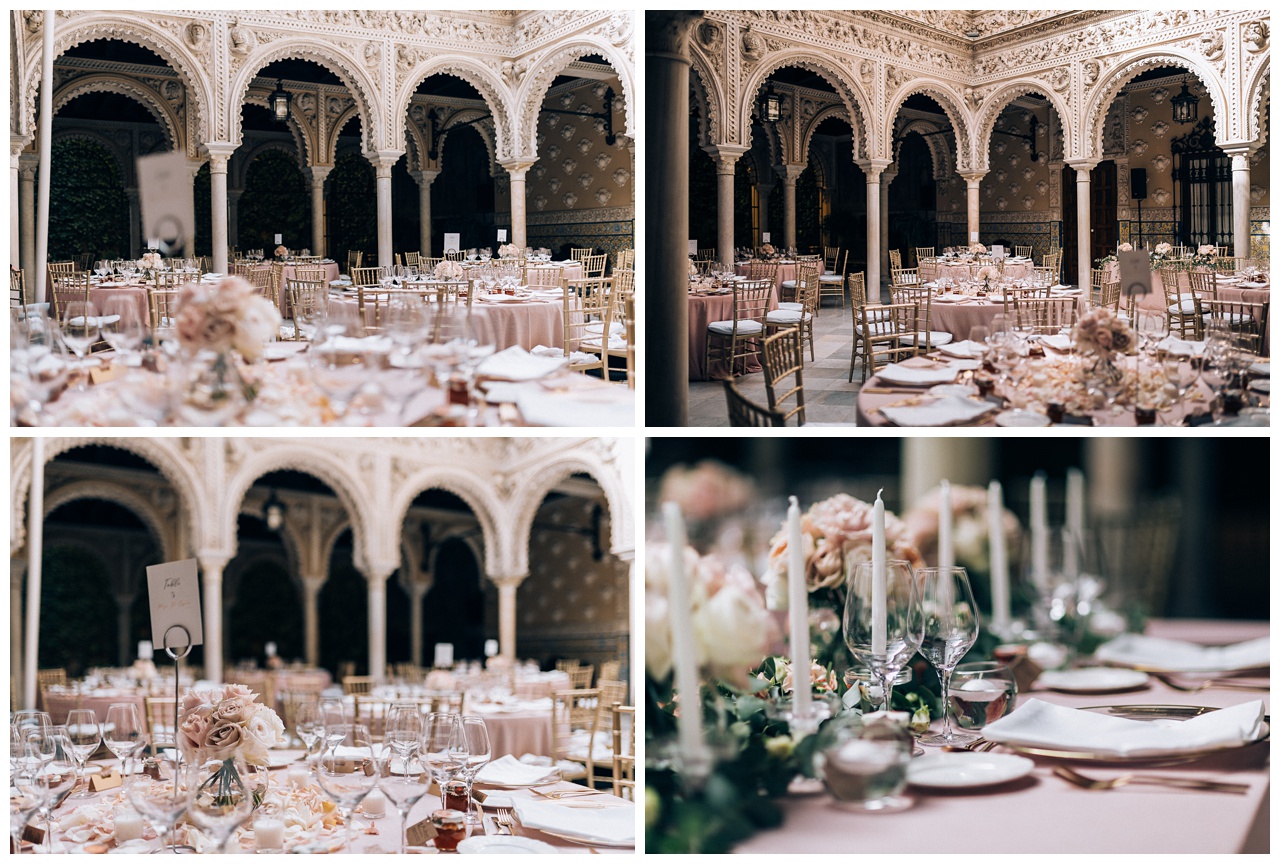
24,778
162,802
341,771
224,800
85,734
307,724
80,330
337,359
55,770
123,733
122,326
333,717
444,746
401,768
950,629
479,751
903,623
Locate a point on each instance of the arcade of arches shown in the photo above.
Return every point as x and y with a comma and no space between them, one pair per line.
381,548
874,131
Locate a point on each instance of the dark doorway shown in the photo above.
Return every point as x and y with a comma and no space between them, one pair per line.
1102,218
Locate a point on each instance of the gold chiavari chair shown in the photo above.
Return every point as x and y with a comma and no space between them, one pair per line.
706,267
926,339
354,260
832,284
807,270
586,321
427,264
160,729
411,259
882,335
864,315
623,323
611,670
593,266
357,684
67,288
706,254
1022,251
60,268
895,259
1053,261
580,676
744,412
807,299
1047,315
624,749
574,721
1182,308
399,260
543,276
17,288
454,255
759,268
783,360
306,297
1247,321
739,338
163,305
1012,294
830,254
1097,278
626,260
371,712
576,254
1109,296
924,253
901,276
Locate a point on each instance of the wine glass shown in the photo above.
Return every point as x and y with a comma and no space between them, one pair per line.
479,752
55,764
307,724
403,730
123,732
401,779
24,777
978,336
444,745
950,629
122,326
85,734
162,802
347,771
902,625
80,330
333,717
337,358
223,800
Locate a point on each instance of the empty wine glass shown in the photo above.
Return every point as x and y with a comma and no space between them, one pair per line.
85,734
307,724
882,638
479,751
401,770
444,746
123,326
333,716
27,793
123,733
80,330
224,798
347,771
950,629
164,801
56,770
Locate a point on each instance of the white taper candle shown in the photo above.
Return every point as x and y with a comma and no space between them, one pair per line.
798,612
946,546
1000,611
685,661
1039,532
879,588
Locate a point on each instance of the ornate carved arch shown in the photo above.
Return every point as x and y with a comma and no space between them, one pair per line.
939,154
710,98
1257,103
335,130
328,55
126,164
494,93
124,27
1003,97
484,129
243,163
150,99
1094,116
152,518
469,488
837,111
949,100
305,147
530,95
849,92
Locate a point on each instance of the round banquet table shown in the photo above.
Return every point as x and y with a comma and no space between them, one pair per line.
520,729
549,275
527,323
703,309
957,317
540,685
964,270
786,273
1043,813
137,292
58,702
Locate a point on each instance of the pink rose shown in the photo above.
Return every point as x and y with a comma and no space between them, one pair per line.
194,733
223,741
235,710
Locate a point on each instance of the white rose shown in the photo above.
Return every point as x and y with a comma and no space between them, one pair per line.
730,630
266,728
259,321
657,635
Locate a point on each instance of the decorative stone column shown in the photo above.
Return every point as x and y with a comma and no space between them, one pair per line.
972,184
376,577
1240,198
219,155
424,179
27,165
417,591
382,161
233,216
885,179
124,604
507,585
135,223
1112,466
873,168
926,462
311,587
1084,228
17,574
318,175
211,581
667,216
516,171
789,174
763,190
17,143
726,159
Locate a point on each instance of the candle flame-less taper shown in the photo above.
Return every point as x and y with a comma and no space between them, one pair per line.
685,659
798,612
879,587
1000,611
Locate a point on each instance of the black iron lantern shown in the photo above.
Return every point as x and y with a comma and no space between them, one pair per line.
771,106
274,510
1185,106
280,102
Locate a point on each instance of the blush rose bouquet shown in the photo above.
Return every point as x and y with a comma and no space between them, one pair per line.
224,315
448,270
968,526
508,250
226,723
1101,331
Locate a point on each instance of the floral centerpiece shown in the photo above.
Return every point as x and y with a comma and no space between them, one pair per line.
767,249
707,490
693,269
986,274
1111,259
977,249
508,250
1206,256
282,252
150,262
1101,331
212,321
1162,253
448,270
223,725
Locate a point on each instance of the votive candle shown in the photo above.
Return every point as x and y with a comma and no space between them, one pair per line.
268,833
128,824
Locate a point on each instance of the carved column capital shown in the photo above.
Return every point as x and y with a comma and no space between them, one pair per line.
424,177
517,168
725,156
789,173
667,33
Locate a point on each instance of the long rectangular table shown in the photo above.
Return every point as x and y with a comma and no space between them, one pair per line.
1044,813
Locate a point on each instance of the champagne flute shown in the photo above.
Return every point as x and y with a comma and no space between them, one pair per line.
124,733
479,752
950,629
903,623
85,735
345,783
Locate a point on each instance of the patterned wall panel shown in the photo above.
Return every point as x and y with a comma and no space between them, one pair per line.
607,230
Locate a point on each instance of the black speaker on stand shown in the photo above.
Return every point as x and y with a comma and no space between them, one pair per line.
1138,191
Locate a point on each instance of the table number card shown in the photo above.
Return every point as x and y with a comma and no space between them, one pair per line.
174,589
693,247
452,242
1135,273
502,235
103,374
764,237
105,780
167,201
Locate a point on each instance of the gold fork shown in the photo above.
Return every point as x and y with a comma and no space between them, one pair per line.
504,820
1212,682
1084,782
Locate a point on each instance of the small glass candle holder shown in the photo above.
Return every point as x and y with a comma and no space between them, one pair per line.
865,768
981,693
451,829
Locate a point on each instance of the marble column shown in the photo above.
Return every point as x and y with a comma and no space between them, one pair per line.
1240,199
135,223
667,216
211,580
424,180
318,174
726,161
1084,227
233,216
763,191
17,143
873,168
926,462
382,161
507,586
972,184
17,574
885,179
417,591
377,585
124,605
219,155
789,174
28,163
1112,466
311,586
516,171
35,574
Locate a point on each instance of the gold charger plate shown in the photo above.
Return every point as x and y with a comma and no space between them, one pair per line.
1144,712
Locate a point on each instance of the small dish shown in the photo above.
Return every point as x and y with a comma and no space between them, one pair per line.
1095,679
1019,417
504,844
967,770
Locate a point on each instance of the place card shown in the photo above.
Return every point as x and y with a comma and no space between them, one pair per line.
1135,273
103,374
693,247
452,242
105,780
419,833
174,591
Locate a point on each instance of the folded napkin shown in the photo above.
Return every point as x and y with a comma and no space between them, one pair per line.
510,771
517,364
100,321
964,348
1041,724
1133,649
1181,347
950,298
1057,341
595,407
558,353
1256,285
899,373
611,825
374,344
1261,369
941,412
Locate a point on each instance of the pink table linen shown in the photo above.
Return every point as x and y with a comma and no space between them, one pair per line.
956,318
517,732
58,704
1043,813
964,271
786,273
138,294
702,311
542,685
528,323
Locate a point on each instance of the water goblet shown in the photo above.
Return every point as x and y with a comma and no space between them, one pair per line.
981,693
347,771
224,798
85,734
164,801
123,733
123,326
950,629
479,752
444,746
883,640
80,330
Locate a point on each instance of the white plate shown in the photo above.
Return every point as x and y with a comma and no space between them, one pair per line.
504,844
1098,679
1018,417
967,770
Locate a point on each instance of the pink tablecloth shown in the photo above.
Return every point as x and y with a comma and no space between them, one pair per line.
965,271
702,311
135,293
786,273
527,324
58,704
1043,813
518,732
957,318
542,685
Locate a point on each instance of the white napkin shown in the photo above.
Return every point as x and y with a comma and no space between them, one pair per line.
517,364
613,825
510,771
558,353
100,321
1133,649
942,412
1261,369
1057,341
896,373
950,298
376,344
540,408
1041,724
964,348
1181,347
